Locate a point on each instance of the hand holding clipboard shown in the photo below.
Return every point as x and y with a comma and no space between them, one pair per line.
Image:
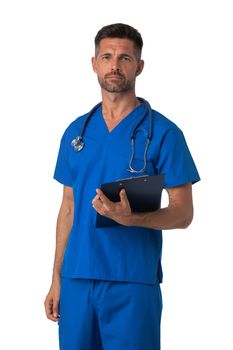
143,192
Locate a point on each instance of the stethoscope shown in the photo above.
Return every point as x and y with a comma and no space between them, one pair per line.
78,142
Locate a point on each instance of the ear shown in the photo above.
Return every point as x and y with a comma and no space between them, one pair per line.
93,62
140,67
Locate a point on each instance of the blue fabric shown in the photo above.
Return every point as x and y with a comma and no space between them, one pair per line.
131,254
96,315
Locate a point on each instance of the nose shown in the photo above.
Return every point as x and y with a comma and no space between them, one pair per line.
116,70
115,66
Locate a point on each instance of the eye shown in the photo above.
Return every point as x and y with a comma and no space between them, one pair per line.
106,57
125,58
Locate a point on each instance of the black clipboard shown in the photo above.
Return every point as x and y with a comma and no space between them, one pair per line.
143,192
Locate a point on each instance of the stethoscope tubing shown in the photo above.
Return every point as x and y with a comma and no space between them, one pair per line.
78,142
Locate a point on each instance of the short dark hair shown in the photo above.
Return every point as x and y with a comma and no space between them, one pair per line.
122,31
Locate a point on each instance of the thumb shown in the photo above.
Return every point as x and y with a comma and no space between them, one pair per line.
123,197
123,194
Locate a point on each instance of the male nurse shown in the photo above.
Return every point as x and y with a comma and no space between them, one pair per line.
105,291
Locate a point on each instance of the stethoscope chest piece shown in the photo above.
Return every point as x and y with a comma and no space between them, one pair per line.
77,144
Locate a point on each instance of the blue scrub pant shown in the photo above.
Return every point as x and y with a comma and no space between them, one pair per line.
109,315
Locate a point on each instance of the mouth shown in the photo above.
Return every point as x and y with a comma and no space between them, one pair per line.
114,77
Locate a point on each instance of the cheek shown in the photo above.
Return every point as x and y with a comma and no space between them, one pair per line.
101,71
132,73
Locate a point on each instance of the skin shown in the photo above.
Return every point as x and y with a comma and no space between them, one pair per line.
116,65
64,225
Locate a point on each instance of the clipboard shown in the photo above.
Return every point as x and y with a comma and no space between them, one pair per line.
143,192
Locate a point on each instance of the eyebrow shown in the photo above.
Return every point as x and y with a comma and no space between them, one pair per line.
120,55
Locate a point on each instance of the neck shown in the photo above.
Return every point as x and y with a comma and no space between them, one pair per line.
116,106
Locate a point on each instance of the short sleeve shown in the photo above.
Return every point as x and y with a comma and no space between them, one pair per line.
175,160
63,173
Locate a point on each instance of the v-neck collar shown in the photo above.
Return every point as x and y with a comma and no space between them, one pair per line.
135,113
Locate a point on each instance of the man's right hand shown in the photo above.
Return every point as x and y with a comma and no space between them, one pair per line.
51,302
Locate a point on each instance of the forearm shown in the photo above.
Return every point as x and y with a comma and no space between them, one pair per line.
163,219
178,213
64,225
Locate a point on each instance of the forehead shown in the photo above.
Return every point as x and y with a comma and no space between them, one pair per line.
116,45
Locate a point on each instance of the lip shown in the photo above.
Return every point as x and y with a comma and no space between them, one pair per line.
114,77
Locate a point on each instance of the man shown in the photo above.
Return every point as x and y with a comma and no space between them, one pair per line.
105,291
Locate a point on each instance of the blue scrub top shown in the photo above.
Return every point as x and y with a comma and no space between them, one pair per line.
119,253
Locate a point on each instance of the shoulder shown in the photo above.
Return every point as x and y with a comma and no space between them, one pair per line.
74,128
163,121
76,123
163,125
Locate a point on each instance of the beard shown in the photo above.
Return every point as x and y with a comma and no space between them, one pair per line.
115,82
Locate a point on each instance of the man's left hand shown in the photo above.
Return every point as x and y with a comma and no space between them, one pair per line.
117,211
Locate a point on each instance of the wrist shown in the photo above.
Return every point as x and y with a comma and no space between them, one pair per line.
136,219
56,276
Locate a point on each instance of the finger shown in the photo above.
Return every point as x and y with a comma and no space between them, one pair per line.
48,307
55,309
96,202
96,199
102,204
124,199
105,201
49,310
99,206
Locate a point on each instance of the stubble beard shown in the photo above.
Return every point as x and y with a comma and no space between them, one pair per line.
118,85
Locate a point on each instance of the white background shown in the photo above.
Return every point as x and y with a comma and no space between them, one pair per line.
46,81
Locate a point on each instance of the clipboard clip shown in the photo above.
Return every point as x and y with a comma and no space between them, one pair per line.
132,177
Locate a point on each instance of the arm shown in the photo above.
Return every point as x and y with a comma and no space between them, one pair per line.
178,213
64,224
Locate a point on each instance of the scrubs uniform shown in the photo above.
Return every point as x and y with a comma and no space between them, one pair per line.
110,291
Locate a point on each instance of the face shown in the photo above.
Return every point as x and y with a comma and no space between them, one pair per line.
116,65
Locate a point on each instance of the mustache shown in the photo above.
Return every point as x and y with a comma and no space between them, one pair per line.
114,74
